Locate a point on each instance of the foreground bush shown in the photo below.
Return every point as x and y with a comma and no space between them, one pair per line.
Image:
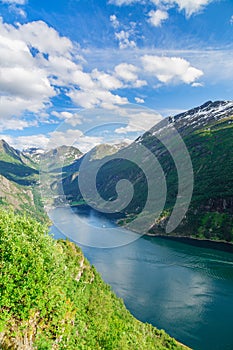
51,298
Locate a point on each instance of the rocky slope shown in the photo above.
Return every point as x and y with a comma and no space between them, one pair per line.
104,150
34,153
19,176
19,182
207,132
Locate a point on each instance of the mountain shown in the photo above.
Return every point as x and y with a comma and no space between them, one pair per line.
16,167
104,150
19,175
34,153
51,298
19,181
67,184
64,155
207,132
14,195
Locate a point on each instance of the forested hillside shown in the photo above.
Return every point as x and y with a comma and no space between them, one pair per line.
207,132
51,298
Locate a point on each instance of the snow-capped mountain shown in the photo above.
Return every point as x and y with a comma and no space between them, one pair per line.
203,115
33,151
192,120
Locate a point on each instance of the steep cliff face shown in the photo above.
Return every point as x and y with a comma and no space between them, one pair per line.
13,195
16,167
19,175
51,298
207,132
19,180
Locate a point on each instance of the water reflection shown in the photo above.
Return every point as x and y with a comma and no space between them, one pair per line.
183,289
90,229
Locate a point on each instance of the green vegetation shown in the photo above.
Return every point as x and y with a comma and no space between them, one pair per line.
51,298
19,177
61,156
211,214
16,167
19,183
104,150
211,150
218,226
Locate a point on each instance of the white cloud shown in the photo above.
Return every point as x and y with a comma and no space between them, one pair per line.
114,21
67,137
139,83
128,129
86,143
170,69
133,118
74,137
15,124
55,139
127,72
39,35
189,6
157,17
140,121
63,69
24,81
139,100
123,2
17,2
218,70
106,81
96,98
23,142
124,39
35,81
71,118
82,79
17,10
124,34
15,106
231,20
15,7
36,64
30,78
197,84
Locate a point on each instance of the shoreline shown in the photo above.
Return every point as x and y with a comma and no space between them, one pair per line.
195,241
198,242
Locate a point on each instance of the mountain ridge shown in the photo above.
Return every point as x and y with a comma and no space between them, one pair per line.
207,132
19,175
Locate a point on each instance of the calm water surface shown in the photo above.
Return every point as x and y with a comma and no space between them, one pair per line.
183,289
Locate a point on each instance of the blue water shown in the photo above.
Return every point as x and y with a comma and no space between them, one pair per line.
183,289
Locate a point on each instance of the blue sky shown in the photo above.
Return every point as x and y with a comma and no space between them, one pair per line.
60,57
